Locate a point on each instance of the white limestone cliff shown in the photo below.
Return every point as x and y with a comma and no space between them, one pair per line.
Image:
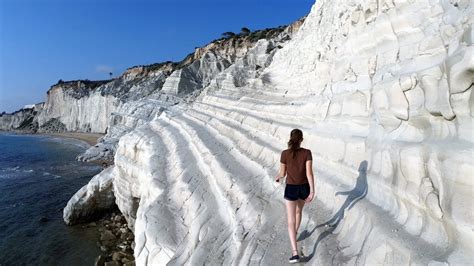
383,93
177,82
142,94
85,114
23,119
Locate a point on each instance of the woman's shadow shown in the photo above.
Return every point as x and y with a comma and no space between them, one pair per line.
353,196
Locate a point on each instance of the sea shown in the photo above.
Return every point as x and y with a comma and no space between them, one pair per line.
38,175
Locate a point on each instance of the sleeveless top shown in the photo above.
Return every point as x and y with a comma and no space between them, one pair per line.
296,167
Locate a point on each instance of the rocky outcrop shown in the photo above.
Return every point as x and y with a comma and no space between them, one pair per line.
91,200
22,120
382,91
79,106
53,125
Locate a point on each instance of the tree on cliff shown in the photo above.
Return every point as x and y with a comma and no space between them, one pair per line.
245,31
228,34
110,74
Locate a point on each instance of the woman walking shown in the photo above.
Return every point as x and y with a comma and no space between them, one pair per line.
296,163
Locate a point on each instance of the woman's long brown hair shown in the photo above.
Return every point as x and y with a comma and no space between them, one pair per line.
296,137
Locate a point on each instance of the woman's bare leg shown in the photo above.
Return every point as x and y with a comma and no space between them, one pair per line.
291,215
299,214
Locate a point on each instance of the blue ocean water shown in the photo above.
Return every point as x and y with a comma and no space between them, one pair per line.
38,175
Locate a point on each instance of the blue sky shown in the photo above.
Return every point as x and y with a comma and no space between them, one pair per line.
42,41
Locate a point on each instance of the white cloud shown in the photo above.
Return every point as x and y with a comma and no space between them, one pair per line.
104,69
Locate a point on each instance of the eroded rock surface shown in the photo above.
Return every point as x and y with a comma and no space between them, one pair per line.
140,95
382,91
91,200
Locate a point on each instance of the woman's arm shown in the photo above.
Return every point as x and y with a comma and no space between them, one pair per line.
309,175
281,172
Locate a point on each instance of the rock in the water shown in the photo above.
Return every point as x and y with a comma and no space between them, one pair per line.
92,199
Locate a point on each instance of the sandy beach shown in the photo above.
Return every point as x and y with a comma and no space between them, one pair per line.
90,138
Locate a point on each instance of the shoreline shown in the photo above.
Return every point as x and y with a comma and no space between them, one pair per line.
90,138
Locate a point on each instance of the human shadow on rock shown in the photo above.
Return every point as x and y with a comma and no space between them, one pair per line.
353,196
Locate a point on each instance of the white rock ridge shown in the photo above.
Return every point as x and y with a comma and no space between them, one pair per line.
96,197
382,91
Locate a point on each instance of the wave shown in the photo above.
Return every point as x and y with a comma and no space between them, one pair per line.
12,172
10,169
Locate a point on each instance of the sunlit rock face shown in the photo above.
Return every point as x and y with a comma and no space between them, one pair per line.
141,94
77,108
24,120
383,87
382,92
91,200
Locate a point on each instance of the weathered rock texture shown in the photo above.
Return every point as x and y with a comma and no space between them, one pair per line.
172,83
24,119
91,200
383,93
79,106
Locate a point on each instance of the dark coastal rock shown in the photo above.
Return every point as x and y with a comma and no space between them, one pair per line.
107,236
117,256
127,262
123,247
115,239
54,125
112,263
43,219
100,260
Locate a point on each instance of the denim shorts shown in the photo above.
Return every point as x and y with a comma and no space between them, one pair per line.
296,192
